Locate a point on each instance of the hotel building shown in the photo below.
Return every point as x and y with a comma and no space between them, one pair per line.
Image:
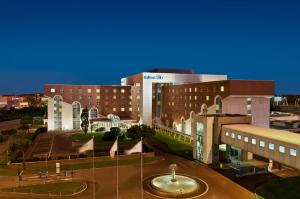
164,96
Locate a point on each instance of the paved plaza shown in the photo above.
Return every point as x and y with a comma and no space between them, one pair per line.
129,180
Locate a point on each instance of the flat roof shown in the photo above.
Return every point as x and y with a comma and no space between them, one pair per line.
268,133
172,70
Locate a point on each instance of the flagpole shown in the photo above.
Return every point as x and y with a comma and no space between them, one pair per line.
94,168
142,168
117,168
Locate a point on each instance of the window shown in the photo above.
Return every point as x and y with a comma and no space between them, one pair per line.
262,143
195,90
253,141
227,133
79,97
61,90
52,90
115,97
271,146
222,88
122,109
239,137
122,90
114,109
115,90
190,90
130,109
138,97
207,98
293,152
232,135
97,90
98,97
195,97
89,90
281,149
246,139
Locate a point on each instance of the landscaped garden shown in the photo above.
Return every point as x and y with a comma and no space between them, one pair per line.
285,188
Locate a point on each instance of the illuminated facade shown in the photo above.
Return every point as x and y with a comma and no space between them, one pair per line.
163,96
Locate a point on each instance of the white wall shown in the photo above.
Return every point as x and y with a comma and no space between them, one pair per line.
67,116
150,78
260,108
50,114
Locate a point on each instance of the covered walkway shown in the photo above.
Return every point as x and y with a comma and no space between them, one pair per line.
280,146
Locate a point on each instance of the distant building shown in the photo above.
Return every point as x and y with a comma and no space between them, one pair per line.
20,101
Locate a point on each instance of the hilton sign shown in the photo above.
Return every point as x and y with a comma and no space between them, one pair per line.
157,77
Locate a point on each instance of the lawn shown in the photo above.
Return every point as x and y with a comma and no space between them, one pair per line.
81,137
5,171
286,188
58,188
177,146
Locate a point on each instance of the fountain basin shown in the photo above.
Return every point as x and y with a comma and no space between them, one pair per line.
182,186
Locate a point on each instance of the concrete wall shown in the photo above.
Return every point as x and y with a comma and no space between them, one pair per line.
50,114
284,158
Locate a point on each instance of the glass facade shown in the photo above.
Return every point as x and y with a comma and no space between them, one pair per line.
76,115
93,113
57,112
200,128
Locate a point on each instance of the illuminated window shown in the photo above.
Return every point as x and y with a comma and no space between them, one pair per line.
195,89
98,97
122,90
195,97
115,97
262,143
293,152
281,149
138,97
227,133
89,90
239,137
114,109
190,90
52,90
222,88
97,90
122,109
271,146
115,90
232,135
138,108
246,139
253,141
207,98
130,109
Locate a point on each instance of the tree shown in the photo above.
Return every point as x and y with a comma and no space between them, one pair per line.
25,127
113,134
26,120
136,132
85,120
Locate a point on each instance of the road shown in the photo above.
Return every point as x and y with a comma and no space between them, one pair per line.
129,180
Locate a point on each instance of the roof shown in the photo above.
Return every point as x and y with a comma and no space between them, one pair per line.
268,133
172,70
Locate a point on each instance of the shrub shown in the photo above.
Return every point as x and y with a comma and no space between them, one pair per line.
26,120
41,130
3,138
101,129
112,134
136,132
9,132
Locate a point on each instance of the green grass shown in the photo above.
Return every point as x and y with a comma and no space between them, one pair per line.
81,137
5,171
58,188
286,188
175,145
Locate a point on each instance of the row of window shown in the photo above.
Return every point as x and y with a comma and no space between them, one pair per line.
89,90
201,89
271,146
89,97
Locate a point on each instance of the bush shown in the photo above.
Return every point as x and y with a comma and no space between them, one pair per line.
3,138
112,134
41,130
9,132
26,120
136,132
101,129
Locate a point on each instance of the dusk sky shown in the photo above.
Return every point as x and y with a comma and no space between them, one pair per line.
98,42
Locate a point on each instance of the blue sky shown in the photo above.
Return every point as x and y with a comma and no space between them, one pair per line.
98,42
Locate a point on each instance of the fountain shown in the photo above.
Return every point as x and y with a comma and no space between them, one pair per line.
175,186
